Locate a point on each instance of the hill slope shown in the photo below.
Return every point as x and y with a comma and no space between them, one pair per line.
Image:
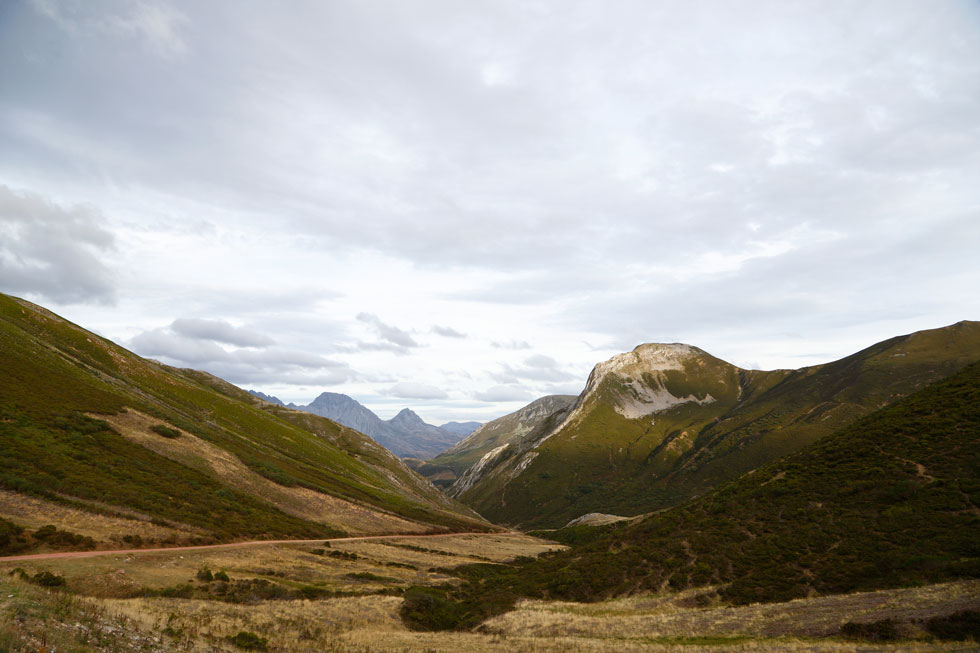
485,443
89,427
664,423
892,500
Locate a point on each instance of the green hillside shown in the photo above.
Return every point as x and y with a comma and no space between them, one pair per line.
612,457
87,424
891,500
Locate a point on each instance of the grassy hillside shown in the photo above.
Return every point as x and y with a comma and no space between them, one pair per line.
86,424
892,500
611,458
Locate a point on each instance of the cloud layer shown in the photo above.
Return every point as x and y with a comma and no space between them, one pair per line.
483,199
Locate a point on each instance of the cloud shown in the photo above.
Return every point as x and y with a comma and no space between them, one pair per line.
504,393
413,390
54,252
534,368
278,366
394,338
156,25
220,331
511,344
447,332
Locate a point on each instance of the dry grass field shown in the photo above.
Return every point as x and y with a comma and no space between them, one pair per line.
107,607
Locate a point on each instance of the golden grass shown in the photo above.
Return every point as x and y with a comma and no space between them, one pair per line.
371,622
296,501
671,615
33,513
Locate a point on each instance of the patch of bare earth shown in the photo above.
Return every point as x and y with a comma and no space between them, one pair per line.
299,502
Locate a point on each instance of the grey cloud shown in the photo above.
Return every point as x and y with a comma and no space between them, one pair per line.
447,332
413,390
511,344
242,365
504,393
540,360
390,334
57,253
220,331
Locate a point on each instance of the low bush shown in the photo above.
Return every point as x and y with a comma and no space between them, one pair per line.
165,431
249,641
957,626
875,631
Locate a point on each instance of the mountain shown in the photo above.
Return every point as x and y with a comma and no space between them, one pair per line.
265,397
479,448
667,422
90,430
892,500
460,429
405,435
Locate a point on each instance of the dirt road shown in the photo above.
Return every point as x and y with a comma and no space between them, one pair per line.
92,554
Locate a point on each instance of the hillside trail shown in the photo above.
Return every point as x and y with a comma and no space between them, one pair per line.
231,545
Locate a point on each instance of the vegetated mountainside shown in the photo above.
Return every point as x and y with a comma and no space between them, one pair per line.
464,460
405,434
90,426
454,468
663,423
891,500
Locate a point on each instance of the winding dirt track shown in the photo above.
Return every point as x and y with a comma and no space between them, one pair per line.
92,554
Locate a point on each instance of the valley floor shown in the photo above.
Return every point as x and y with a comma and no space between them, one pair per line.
111,606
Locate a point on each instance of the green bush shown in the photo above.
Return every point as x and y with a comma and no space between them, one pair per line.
165,431
249,641
958,626
875,631
47,579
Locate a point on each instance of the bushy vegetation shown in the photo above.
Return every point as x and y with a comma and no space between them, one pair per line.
890,501
249,641
165,431
12,540
957,626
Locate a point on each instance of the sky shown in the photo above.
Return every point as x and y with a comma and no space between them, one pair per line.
459,207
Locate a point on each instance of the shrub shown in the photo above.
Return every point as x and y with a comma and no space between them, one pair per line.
249,641
221,575
961,625
426,608
165,431
875,631
47,579
204,575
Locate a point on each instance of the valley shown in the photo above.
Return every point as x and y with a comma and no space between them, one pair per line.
679,501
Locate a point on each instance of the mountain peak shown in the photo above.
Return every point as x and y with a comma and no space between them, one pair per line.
407,417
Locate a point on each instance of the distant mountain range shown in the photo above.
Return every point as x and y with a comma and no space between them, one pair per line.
406,434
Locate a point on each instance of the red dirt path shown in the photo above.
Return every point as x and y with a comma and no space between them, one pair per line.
92,554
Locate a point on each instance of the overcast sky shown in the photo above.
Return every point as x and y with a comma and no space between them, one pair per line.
462,206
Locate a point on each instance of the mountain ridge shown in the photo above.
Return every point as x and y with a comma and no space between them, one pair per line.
666,422
406,434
